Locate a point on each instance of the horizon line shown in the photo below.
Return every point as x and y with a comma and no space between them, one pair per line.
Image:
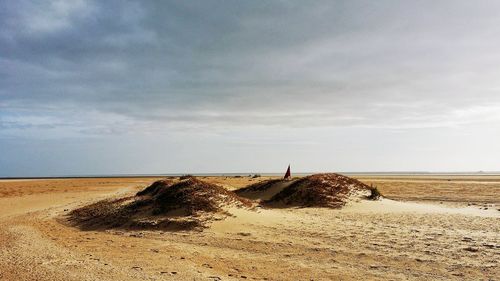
131,175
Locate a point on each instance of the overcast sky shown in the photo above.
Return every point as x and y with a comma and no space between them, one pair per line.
102,87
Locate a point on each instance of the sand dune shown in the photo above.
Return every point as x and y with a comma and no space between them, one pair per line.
370,240
185,204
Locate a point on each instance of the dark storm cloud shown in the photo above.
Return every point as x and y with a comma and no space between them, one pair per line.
223,63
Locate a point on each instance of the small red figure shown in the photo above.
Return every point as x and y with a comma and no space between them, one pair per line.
288,175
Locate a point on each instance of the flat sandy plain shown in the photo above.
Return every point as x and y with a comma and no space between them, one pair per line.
427,228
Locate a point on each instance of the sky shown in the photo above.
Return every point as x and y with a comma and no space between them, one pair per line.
144,87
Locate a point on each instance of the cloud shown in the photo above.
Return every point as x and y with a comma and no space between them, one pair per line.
36,18
113,66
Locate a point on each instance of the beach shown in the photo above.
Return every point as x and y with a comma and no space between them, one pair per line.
424,228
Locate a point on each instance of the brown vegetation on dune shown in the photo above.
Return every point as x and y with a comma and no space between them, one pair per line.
155,187
320,190
186,204
192,196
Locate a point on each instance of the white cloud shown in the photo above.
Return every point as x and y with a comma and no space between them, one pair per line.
54,15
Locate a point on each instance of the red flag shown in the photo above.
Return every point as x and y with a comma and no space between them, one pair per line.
288,174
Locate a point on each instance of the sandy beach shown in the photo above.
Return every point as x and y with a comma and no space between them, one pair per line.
439,234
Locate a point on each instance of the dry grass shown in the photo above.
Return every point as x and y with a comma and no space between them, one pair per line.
374,193
320,190
165,204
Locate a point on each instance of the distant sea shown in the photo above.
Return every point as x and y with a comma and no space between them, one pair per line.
489,173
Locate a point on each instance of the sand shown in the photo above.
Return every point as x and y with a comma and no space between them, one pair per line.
425,229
